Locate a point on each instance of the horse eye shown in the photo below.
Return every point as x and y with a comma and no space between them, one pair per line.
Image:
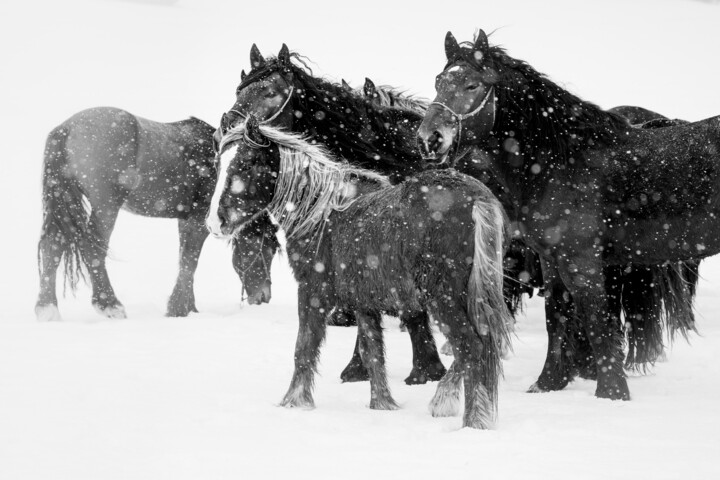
270,94
473,87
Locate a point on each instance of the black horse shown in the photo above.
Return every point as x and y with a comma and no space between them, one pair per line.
110,159
431,243
282,91
588,192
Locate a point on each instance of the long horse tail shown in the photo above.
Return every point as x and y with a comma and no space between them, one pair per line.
665,313
486,305
65,215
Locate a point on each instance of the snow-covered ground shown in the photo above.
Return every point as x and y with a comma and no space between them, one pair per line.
153,397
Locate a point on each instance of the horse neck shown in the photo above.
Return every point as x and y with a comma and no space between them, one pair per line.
378,138
549,124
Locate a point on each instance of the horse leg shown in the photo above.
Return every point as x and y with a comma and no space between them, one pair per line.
102,220
192,237
372,352
584,276
446,401
471,354
355,370
559,310
49,251
426,361
312,306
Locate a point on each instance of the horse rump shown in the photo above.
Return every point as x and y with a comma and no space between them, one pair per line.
65,233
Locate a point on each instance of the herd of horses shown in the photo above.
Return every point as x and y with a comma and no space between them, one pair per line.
451,210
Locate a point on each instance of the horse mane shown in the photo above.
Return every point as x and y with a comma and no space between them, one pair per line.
311,182
394,97
340,119
552,125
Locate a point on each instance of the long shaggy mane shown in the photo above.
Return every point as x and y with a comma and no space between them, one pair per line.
552,125
349,124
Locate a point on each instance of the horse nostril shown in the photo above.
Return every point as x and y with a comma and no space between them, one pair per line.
436,139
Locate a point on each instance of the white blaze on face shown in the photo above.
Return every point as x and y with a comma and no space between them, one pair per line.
213,220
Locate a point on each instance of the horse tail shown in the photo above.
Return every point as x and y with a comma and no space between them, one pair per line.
486,305
665,312
65,215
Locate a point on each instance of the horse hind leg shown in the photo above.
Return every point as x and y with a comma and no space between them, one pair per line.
192,237
446,401
102,220
49,253
372,352
427,365
471,355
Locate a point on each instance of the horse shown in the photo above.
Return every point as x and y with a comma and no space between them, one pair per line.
106,159
588,192
368,137
433,243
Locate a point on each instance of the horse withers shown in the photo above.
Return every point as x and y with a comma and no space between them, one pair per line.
103,159
434,242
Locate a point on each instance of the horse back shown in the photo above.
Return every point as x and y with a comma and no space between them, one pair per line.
175,173
405,239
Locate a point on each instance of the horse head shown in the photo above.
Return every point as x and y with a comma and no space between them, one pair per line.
247,172
265,92
464,109
254,248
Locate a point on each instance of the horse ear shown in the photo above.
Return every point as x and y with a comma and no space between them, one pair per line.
481,42
369,88
452,49
284,55
346,85
256,58
243,75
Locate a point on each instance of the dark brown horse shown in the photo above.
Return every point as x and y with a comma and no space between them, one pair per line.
588,192
103,159
433,243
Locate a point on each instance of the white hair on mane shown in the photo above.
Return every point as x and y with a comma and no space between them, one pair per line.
311,183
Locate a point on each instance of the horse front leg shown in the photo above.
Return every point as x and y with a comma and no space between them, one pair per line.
313,304
559,312
192,237
584,277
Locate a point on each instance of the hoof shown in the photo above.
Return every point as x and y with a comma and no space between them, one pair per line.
47,313
355,372
180,310
445,403
420,376
116,311
546,383
617,390
535,388
297,400
384,404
